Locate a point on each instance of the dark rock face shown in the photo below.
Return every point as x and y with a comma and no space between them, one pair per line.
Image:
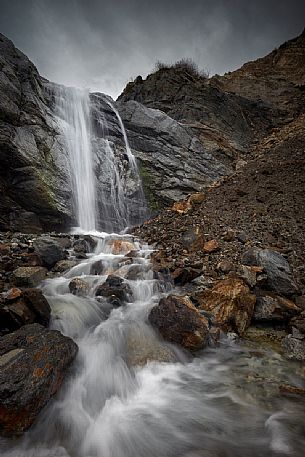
274,308
49,250
279,275
34,173
178,321
114,287
33,364
18,308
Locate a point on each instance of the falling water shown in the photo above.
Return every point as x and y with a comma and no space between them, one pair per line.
73,107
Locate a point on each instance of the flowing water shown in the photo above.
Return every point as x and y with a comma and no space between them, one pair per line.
129,393
73,109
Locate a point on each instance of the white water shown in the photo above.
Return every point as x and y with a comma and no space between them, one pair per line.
132,395
73,107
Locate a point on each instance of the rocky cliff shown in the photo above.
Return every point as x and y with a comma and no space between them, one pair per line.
186,130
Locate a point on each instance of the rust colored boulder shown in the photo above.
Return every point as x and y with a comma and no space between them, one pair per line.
230,302
33,363
178,321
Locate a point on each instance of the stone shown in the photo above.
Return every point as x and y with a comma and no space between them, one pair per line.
211,246
33,363
299,322
18,308
286,389
63,265
78,286
273,308
230,302
294,348
121,246
193,239
178,321
49,250
197,198
279,275
29,276
225,266
249,274
114,286
182,207
182,276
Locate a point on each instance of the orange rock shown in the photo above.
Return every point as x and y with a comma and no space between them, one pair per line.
231,303
121,246
182,207
196,199
13,294
286,389
211,246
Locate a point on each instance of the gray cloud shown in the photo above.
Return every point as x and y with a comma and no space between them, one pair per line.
103,44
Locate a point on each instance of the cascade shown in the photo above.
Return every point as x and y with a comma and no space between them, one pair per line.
73,109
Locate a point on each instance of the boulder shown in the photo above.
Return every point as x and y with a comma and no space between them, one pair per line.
249,274
49,250
33,363
78,286
120,246
29,276
18,308
114,286
178,321
270,307
230,302
64,265
279,275
299,322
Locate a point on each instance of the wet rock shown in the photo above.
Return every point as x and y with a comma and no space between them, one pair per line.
277,269
121,246
114,286
287,390
33,363
97,268
18,308
299,322
294,348
81,247
29,276
211,246
273,308
178,321
135,272
64,265
49,250
230,302
78,286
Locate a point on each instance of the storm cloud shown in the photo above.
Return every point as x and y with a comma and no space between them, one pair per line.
104,44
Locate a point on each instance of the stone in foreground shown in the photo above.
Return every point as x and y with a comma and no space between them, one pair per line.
178,321
33,363
29,276
231,304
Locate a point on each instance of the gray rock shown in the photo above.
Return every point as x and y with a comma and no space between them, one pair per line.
33,363
114,287
274,308
78,286
294,348
49,250
29,276
277,269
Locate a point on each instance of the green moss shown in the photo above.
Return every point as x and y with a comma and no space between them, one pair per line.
151,198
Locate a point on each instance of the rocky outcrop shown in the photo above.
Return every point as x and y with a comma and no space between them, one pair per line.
18,308
178,321
33,363
34,173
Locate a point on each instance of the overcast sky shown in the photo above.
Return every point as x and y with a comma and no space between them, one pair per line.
102,44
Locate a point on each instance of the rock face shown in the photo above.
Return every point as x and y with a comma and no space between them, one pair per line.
178,321
34,173
33,363
231,304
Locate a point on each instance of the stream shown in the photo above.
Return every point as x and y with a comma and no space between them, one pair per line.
130,394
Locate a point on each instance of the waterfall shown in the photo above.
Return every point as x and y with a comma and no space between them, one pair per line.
73,109
100,173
